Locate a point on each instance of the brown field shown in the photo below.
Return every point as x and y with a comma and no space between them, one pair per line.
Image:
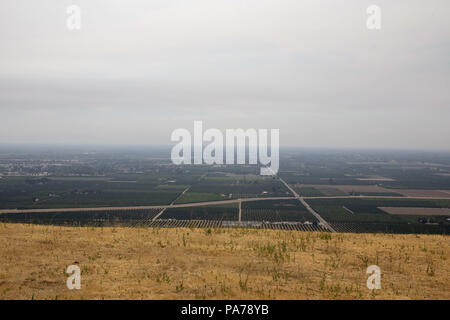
423,193
361,188
419,193
375,178
417,211
442,174
169,263
350,188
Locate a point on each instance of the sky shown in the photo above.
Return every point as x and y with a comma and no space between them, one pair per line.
139,69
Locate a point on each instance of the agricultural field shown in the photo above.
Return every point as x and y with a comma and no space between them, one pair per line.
276,211
32,192
129,218
217,213
221,186
417,211
308,191
347,190
190,197
278,214
140,187
387,169
367,215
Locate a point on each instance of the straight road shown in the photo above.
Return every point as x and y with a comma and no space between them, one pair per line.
240,211
307,206
171,204
182,205
210,203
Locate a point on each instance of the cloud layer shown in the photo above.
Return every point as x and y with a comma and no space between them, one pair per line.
137,70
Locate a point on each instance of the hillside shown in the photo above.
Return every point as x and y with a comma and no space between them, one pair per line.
152,263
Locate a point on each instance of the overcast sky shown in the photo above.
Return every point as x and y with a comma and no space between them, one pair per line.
137,70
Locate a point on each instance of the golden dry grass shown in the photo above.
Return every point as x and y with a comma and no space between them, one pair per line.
147,263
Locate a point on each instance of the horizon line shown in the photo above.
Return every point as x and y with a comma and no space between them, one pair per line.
156,145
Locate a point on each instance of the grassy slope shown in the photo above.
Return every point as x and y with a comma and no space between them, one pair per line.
226,263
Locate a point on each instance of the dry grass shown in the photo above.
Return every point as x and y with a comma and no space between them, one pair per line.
147,263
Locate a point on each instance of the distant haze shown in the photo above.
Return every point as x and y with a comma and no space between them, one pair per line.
137,70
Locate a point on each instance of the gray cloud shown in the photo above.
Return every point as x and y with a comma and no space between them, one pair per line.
139,69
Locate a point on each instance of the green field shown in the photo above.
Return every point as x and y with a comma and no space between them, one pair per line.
189,197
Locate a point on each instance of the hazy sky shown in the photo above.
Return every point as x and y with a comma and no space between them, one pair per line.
137,70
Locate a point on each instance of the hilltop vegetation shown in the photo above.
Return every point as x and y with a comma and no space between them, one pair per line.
182,263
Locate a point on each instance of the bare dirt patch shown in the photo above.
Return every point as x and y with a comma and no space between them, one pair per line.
336,190
419,193
417,211
375,178
351,188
